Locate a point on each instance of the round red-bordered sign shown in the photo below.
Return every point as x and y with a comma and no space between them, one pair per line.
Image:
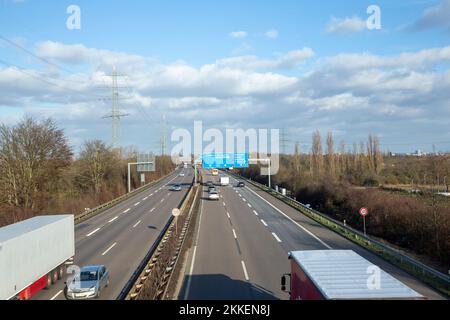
364,212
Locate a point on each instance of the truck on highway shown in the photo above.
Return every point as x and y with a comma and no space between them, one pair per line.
224,181
341,275
34,254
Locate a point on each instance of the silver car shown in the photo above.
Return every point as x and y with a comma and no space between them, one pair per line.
89,284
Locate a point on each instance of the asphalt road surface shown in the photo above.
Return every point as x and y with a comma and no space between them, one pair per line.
121,236
242,245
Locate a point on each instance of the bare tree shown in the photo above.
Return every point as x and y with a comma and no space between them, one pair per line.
331,157
95,160
317,155
32,155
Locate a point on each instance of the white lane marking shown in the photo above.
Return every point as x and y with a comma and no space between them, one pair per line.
145,199
245,271
91,233
56,295
292,220
249,205
137,223
234,234
224,204
151,195
136,204
191,270
107,250
126,210
162,200
276,237
168,194
153,209
243,199
263,222
113,219
228,214
256,213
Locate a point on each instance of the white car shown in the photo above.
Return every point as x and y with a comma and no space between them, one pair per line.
214,195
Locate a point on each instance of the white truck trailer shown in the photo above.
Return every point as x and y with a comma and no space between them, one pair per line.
341,275
224,181
34,254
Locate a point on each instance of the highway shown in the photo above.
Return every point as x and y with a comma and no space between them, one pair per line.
121,236
242,244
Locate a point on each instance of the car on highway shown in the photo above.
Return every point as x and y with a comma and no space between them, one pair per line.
213,195
175,187
240,184
89,284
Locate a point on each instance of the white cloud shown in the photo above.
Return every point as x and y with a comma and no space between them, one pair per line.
348,93
238,34
286,61
435,17
346,25
271,34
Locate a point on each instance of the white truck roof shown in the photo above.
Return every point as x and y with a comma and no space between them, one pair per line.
343,274
18,229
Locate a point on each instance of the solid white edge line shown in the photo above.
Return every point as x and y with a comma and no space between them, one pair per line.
245,271
56,295
276,237
107,250
92,232
292,220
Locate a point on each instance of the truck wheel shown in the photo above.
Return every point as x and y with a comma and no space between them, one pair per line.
55,275
61,271
49,281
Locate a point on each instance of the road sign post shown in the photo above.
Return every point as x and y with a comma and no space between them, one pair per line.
129,171
176,213
364,212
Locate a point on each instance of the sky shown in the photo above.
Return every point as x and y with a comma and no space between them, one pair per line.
299,66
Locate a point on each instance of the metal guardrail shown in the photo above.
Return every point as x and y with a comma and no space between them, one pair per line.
95,211
136,282
416,268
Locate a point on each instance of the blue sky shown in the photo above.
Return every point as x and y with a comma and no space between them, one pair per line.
287,69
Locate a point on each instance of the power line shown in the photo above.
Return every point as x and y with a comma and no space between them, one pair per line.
36,56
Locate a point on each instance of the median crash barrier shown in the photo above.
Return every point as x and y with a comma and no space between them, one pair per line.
153,276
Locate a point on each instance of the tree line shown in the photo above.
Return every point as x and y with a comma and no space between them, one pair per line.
41,174
339,181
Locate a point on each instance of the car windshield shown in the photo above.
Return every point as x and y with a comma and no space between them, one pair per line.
88,275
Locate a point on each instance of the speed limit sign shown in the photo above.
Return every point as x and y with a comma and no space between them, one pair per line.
364,212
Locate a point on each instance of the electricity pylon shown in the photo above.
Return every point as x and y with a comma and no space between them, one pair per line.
115,114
